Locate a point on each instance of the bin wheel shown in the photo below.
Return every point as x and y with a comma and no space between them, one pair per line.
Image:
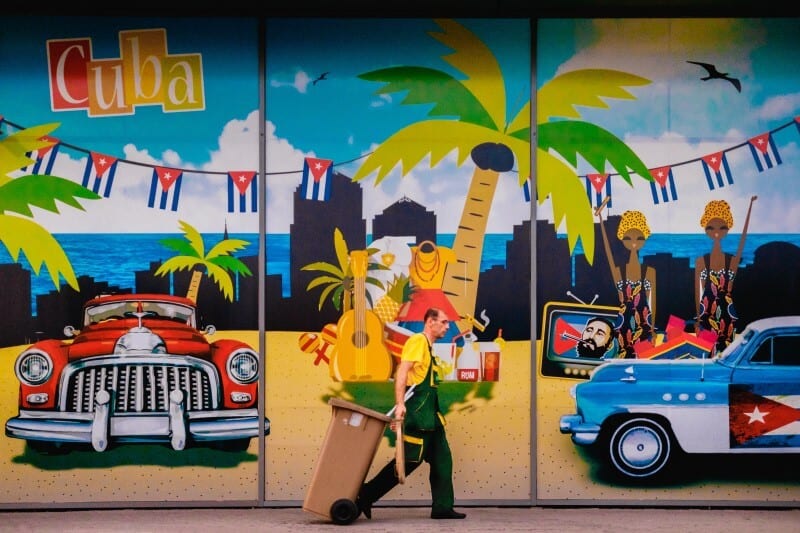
344,511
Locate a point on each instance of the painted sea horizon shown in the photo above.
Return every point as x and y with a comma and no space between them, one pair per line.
115,258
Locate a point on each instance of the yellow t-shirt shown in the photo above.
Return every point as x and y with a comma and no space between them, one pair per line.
416,350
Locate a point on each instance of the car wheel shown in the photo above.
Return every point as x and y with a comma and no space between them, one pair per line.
640,448
344,511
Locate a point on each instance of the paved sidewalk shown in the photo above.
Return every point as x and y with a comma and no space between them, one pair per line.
479,519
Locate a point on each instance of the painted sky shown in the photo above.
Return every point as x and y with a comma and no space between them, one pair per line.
675,119
679,118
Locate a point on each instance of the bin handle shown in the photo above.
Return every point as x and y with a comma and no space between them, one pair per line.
409,394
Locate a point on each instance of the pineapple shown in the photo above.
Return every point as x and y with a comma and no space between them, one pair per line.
388,305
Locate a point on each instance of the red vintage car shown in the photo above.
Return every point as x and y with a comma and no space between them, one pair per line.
139,370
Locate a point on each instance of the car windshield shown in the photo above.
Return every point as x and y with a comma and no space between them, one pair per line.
732,351
117,310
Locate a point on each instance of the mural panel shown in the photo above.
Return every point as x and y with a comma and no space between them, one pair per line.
397,179
130,353
666,160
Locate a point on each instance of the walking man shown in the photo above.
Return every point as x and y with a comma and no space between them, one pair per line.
424,437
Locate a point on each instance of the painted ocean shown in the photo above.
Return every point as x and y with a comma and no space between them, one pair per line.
114,258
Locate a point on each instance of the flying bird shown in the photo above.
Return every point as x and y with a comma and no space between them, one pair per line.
713,73
323,76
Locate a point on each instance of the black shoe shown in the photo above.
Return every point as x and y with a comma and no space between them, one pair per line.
364,507
447,515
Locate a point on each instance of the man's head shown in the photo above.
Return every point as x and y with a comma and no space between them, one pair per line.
596,338
436,323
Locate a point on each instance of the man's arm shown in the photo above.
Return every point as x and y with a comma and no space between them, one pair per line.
400,380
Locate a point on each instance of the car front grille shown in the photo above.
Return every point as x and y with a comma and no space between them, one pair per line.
140,387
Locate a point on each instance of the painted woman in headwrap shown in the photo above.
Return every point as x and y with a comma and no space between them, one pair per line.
635,283
714,273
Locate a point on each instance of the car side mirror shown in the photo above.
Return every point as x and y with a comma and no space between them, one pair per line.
70,331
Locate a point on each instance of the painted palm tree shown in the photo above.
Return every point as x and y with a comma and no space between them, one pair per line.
337,279
19,233
481,130
218,263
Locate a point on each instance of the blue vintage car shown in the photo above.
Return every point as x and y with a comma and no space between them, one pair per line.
639,415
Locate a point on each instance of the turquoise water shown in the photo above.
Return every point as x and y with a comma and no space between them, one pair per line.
114,258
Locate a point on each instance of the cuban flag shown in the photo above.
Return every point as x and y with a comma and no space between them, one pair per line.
764,415
764,151
44,158
664,182
718,165
99,173
526,190
241,182
317,177
598,182
166,182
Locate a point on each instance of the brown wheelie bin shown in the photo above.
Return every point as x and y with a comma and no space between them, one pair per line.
350,445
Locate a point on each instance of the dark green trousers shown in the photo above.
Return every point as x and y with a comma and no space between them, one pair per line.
434,450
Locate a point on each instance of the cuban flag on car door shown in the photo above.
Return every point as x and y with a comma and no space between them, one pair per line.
44,158
718,164
241,182
317,177
764,151
166,182
764,415
665,182
99,173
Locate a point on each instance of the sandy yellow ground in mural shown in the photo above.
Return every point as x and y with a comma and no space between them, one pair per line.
490,439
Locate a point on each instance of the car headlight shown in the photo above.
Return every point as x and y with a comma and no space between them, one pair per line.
33,367
243,366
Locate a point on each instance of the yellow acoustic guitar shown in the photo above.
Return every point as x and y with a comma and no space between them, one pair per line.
360,352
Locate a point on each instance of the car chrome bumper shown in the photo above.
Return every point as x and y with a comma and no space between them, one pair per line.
582,433
100,427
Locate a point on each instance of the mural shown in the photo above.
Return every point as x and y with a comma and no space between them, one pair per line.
676,366
130,350
409,191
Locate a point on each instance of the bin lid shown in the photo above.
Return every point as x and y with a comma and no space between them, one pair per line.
338,402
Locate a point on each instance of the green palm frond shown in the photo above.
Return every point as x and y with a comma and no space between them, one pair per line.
231,264
423,85
194,238
42,191
597,146
178,263
585,87
568,197
225,247
182,246
14,147
472,57
21,235
223,280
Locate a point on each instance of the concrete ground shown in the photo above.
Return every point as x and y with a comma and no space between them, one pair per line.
482,519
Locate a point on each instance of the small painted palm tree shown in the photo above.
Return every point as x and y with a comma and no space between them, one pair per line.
338,279
19,233
494,144
218,263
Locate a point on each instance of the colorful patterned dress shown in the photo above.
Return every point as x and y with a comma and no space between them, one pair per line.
634,322
716,312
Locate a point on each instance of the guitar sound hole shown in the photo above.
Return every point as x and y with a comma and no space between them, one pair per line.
360,339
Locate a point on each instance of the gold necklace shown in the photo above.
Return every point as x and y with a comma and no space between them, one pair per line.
429,265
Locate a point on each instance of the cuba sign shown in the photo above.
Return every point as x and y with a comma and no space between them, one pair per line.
144,74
